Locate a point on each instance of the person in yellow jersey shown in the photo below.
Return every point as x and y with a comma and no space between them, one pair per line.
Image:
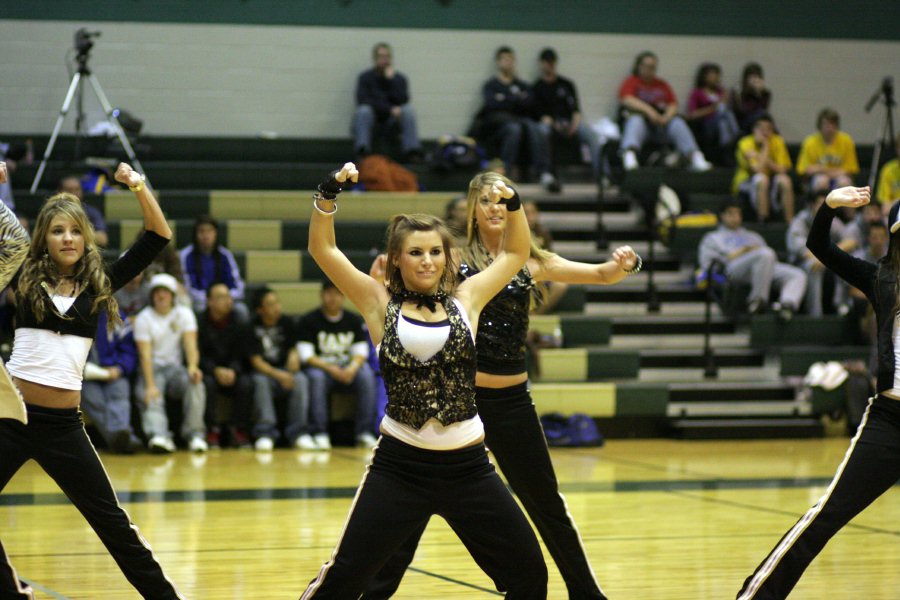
889,181
828,157
763,163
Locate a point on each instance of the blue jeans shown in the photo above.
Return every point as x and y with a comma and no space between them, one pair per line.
365,121
265,391
363,386
636,132
585,136
108,404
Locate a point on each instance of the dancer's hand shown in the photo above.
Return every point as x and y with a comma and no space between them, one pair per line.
128,176
625,257
332,186
500,191
849,196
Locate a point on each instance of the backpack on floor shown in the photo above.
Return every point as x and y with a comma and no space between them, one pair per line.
577,430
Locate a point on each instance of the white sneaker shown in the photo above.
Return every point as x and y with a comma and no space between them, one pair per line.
366,439
264,444
160,444
198,444
629,160
305,442
699,162
323,442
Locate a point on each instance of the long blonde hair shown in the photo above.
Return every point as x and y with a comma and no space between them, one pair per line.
399,228
88,272
475,254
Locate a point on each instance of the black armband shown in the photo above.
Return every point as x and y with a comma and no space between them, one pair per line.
514,203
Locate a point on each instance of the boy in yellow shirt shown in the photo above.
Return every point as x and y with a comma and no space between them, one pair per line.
763,163
828,158
889,181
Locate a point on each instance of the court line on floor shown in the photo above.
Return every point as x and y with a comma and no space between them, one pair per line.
776,511
328,493
452,580
44,589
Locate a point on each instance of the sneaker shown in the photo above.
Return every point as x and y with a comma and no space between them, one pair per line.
214,438
160,444
783,312
239,438
366,440
323,442
672,160
305,442
699,163
629,160
550,182
264,444
121,442
198,444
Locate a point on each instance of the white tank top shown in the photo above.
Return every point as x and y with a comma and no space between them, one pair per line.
49,358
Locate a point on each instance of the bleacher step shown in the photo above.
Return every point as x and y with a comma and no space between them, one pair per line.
752,428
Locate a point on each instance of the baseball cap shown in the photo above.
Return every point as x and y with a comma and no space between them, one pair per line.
164,280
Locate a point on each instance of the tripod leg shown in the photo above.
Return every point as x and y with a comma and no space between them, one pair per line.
110,114
76,81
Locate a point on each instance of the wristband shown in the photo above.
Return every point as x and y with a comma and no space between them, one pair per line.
331,187
637,266
140,186
514,203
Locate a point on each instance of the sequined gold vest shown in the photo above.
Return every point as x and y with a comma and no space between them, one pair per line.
443,387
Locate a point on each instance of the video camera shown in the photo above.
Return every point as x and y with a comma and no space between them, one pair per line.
84,40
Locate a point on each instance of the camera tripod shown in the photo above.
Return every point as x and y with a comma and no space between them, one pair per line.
83,46
886,139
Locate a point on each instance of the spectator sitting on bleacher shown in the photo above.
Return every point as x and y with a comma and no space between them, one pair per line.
133,296
542,237
709,110
229,387
382,102
889,180
828,157
455,218
762,176
507,112
277,377
205,261
12,155
867,216
106,390
166,336
752,99
651,112
71,184
334,348
749,260
818,278
559,111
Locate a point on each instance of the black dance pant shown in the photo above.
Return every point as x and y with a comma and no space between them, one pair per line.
514,435
403,486
870,467
56,440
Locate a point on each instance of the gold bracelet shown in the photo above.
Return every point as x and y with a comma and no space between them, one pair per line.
139,187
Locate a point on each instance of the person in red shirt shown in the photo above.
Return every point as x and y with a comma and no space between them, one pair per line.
651,113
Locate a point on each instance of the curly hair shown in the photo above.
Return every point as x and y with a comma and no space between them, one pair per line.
399,228
88,272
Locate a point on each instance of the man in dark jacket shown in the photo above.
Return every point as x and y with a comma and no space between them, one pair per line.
382,103
228,386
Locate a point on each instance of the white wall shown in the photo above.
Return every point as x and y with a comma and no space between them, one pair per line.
298,81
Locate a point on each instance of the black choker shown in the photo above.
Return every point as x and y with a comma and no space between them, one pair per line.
428,300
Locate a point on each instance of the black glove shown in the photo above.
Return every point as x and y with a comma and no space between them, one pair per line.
331,187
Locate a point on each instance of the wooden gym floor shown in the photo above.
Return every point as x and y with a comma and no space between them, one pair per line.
661,519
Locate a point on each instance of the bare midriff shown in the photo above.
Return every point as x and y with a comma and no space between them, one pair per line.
489,380
47,396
